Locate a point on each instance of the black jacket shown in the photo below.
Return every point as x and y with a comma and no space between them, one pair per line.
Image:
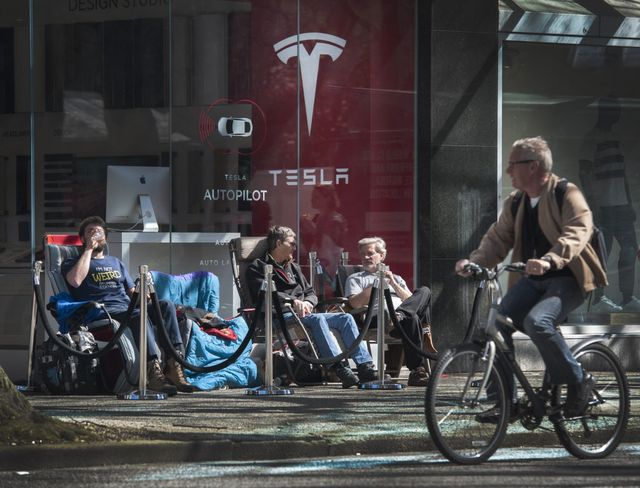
289,280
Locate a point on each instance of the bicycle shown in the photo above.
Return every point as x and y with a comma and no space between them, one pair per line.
471,379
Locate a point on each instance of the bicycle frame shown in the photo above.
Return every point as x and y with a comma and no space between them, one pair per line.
495,346
497,349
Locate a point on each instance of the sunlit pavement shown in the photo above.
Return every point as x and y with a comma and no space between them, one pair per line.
228,425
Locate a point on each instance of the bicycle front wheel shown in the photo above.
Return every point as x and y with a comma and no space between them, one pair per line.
466,406
599,431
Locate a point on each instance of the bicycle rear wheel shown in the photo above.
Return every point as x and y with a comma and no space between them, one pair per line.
455,397
599,431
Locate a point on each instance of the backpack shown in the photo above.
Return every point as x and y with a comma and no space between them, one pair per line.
597,238
289,368
66,374
63,373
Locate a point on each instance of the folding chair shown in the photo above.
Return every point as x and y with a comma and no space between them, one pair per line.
120,364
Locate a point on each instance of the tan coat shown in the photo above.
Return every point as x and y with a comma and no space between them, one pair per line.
569,235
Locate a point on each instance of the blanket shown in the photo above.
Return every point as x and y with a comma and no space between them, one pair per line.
207,350
66,306
197,289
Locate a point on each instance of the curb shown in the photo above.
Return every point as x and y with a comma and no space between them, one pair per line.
24,458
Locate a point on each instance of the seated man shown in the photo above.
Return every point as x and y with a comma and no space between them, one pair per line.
412,309
291,284
94,276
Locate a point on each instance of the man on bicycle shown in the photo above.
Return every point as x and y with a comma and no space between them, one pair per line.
561,268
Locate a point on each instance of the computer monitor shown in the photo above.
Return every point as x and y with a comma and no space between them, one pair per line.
138,193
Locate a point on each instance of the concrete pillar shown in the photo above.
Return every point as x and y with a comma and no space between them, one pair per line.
457,148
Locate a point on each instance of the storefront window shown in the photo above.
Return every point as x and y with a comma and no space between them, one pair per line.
264,112
15,175
584,100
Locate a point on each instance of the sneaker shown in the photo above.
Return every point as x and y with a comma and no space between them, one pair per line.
156,381
578,396
347,377
368,373
418,377
606,305
175,374
632,306
492,415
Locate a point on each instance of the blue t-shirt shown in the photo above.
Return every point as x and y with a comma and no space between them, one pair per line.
107,282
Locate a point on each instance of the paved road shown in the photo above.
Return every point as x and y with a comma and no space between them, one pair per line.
509,467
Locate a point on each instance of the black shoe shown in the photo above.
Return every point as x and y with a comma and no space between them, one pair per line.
492,415
578,396
346,376
367,373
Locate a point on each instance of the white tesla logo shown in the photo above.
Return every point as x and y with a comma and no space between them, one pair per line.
309,62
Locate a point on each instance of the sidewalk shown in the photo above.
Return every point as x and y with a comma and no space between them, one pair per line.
230,425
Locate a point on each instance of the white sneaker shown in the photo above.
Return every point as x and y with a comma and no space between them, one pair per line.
606,305
632,306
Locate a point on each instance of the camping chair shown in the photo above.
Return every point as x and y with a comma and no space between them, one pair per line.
243,251
394,355
119,366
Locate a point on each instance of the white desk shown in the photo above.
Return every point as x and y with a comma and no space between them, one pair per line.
178,253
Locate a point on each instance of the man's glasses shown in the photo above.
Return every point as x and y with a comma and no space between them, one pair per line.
291,243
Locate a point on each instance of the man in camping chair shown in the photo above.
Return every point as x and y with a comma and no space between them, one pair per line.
292,284
95,276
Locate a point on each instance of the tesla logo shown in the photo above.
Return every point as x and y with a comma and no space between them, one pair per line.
326,44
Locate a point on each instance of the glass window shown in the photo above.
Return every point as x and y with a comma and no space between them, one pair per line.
585,101
266,112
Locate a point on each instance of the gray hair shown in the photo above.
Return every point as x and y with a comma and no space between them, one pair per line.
535,148
278,233
381,246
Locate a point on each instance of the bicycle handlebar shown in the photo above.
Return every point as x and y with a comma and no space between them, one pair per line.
482,273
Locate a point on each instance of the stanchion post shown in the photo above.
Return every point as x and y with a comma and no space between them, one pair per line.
37,271
381,384
344,258
382,284
142,378
313,256
268,328
268,388
142,393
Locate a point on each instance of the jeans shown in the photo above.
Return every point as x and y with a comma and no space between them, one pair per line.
170,320
536,307
343,323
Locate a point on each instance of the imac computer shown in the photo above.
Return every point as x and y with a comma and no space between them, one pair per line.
138,193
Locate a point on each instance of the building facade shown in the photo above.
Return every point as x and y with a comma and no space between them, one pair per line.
341,119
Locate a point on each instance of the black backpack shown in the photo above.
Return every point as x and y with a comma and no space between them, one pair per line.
597,238
66,374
